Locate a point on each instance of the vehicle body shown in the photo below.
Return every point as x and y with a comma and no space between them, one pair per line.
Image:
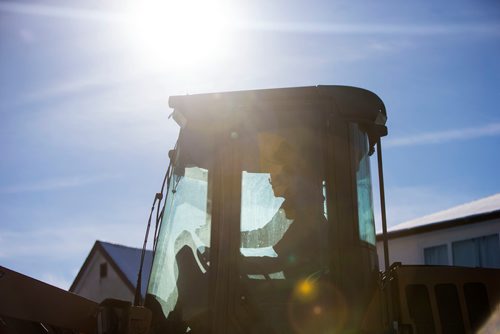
268,227
222,256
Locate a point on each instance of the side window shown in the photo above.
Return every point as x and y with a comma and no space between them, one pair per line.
361,161
436,255
477,252
103,270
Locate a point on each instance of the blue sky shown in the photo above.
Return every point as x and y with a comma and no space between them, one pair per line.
84,128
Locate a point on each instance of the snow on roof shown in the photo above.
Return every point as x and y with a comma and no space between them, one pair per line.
480,206
128,260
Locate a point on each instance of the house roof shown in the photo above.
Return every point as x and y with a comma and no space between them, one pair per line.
125,260
472,212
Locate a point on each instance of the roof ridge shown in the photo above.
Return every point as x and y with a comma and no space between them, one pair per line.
461,205
439,214
120,245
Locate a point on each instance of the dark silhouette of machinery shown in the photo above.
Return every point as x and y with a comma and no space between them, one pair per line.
268,227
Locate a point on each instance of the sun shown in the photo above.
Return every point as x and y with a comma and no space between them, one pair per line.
178,33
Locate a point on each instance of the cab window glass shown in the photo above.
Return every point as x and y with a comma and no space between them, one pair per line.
283,230
361,161
178,286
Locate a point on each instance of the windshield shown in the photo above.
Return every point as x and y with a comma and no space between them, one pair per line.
178,287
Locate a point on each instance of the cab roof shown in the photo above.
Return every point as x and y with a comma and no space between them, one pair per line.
351,103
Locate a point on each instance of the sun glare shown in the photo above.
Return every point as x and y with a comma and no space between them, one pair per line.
178,33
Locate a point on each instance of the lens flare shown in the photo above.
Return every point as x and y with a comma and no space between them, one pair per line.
305,288
317,307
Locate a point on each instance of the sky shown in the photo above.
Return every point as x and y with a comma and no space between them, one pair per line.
84,116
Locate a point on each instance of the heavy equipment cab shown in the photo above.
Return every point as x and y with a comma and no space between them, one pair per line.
267,227
268,224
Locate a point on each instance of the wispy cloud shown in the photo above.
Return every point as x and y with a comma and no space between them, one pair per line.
61,281
404,203
54,184
66,88
439,137
68,239
274,26
72,86
58,12
132,117
372,29
54,254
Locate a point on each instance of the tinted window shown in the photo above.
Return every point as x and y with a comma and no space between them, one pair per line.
477,252
437,255
361,161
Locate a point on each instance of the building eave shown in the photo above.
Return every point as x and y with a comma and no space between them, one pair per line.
472,219
78,277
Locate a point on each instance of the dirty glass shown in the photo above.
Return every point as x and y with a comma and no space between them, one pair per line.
283,239
263,221
282,201
361,161
179,278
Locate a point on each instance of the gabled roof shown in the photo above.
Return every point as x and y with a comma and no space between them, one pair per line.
472,212
125,260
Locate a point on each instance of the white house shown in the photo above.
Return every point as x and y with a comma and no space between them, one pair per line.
465,235
110,271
